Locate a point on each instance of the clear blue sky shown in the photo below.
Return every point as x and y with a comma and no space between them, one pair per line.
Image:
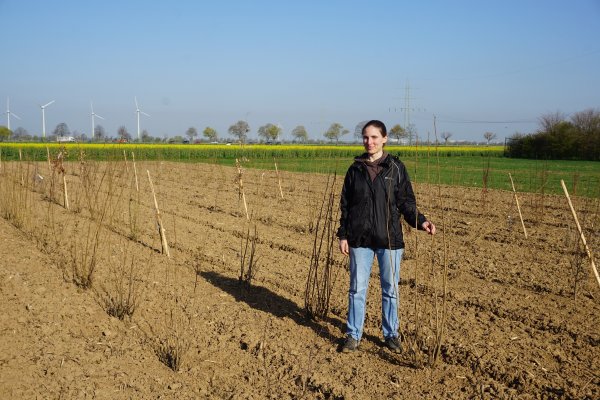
477,65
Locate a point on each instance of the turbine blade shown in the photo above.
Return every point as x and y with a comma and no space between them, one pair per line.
46,105
136,104
145,113
98,116
15,115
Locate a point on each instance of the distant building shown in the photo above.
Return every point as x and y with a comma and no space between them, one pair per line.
65,139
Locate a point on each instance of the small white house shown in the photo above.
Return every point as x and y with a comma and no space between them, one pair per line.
63,139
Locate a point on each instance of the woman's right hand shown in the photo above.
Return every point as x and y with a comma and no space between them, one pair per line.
344,249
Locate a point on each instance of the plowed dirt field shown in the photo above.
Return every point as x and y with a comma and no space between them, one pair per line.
512,327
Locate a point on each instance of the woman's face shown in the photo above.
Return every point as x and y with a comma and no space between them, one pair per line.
373,141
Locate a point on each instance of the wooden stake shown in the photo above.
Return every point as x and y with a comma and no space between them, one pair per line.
48,157
587,249
65,190
0,160
518,206
21,169
241,187
126,165
278,179
137,186
245,204
161,229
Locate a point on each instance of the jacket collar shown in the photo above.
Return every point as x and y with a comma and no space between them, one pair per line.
385,158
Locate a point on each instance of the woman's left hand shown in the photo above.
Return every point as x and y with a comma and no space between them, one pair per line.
428,227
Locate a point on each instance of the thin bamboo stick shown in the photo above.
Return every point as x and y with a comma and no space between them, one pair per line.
126,165
137,186
587,249
278,178
48,158
21,168
0,160
518,206
161,229
440,324
241,187
245,205
65,190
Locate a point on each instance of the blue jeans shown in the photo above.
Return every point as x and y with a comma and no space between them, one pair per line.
361,261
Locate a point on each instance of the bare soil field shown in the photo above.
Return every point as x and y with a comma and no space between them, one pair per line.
520,316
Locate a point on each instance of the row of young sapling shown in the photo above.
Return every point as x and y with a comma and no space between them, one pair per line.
321,278
423,335
77,237
98,191
575,241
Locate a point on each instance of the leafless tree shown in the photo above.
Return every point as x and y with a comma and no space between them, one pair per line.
99,133
123,134
61,129
358,129
146,136
549,122
446,136
411,132
489,136
587,121
20,133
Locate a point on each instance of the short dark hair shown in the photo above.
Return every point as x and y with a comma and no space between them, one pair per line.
377,124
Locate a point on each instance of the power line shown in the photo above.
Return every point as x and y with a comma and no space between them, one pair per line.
517,69
471,121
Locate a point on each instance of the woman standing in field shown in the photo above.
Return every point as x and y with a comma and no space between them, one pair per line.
376,192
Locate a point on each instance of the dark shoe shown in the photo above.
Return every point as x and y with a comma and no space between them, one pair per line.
350,345
393,343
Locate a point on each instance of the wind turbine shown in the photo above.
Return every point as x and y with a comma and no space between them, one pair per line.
44,118
138,112
93,122
8,113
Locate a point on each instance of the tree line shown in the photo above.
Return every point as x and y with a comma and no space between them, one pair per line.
270,133
560,138
557,138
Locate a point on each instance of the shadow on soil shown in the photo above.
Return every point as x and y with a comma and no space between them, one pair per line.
263,299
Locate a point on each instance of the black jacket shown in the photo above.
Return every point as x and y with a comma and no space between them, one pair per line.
370,210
